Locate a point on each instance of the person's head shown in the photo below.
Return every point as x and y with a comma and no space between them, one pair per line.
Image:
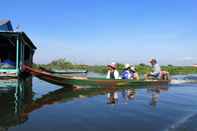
127,67
153,61
132,69
112,66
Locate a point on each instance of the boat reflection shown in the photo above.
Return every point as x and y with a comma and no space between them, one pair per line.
19,102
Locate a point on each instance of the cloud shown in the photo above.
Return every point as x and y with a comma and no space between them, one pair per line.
188,58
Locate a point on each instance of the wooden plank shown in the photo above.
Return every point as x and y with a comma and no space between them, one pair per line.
8,70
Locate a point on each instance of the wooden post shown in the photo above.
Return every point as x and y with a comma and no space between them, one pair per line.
22,53
17,55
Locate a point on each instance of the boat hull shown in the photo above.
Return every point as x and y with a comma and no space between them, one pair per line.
63,80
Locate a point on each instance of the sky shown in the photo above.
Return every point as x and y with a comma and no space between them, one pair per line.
105,31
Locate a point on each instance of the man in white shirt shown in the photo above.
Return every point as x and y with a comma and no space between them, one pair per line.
156,69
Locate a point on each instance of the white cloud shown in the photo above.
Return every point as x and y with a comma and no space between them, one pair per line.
188,58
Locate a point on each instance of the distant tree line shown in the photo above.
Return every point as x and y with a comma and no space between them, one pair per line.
142,68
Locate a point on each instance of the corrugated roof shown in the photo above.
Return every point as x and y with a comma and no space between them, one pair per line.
4,21
6,25
24,36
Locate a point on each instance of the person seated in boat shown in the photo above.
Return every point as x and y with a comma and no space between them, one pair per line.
112,72
164,75
127,74
135,75
156,69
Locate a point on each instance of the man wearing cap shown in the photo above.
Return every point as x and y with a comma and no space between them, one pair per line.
112,72
156,69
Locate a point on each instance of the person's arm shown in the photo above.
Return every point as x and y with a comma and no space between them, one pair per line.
136,76
108,75
129,75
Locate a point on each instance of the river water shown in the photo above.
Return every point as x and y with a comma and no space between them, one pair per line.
37,105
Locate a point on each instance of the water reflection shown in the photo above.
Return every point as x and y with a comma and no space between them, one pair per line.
16,104
129,94
155,93
12,101
126,94
112,97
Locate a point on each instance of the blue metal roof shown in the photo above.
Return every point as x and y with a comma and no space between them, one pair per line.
5,25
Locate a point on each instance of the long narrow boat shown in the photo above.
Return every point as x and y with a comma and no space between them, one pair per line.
69,80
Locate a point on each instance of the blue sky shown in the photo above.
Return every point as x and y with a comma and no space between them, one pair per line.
104,31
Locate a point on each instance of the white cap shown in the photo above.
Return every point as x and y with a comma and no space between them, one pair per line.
133,68
127,66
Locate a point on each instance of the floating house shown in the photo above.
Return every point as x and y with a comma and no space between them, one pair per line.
16,49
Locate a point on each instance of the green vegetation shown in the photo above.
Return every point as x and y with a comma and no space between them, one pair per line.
180,69
141,68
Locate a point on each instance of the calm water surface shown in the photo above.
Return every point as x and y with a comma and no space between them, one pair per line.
37,105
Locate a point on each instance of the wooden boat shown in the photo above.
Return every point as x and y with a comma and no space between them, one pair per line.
69,80
63,72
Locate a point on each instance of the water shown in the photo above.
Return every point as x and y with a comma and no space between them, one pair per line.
37,105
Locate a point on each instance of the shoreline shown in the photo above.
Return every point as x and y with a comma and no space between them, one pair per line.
62,64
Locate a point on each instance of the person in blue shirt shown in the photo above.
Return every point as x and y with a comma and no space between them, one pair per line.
127,74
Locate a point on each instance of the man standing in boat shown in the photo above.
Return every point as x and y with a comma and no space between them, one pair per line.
112,72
